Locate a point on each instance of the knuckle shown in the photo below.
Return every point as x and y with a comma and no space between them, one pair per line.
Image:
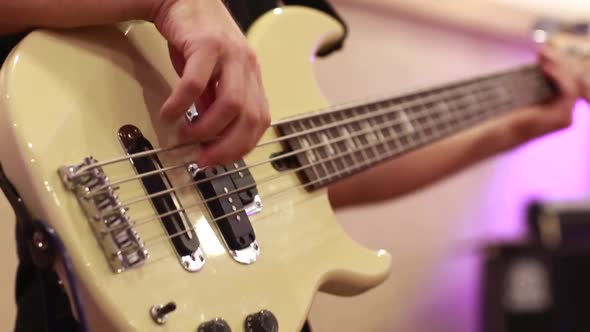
232,103
214,42
194,85
252,145
265,118
244,149
586,87
251,57
252,119
564,120
230,157
200,132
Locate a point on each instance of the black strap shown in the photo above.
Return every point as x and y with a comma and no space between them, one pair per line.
29,227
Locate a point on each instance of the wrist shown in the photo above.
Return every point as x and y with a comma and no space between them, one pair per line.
159,10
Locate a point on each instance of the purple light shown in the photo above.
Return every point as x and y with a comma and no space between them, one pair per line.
555,167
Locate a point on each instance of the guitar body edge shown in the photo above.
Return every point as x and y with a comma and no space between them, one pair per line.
64,97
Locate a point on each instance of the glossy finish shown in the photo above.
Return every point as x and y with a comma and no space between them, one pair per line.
64,96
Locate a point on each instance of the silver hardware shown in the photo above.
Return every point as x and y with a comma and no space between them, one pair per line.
193,169
248,255
193,262
544,29
215,325
160,312
66,174
547,27
580,28
255,207
122,246
192,114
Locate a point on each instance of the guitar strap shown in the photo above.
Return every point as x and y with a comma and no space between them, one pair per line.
42,244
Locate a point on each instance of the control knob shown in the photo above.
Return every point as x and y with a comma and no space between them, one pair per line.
263,321
216,325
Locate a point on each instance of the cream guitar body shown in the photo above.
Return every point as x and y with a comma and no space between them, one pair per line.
64,97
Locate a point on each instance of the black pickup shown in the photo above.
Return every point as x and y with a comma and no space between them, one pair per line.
176,224
236,186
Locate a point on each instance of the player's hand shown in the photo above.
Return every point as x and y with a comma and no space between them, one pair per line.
219,73
571,72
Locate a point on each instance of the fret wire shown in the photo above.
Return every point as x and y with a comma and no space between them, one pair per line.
365,164
371,136
320,169
426,120
297,127
358,139
415,136
424,110
378,134
525,69
481,88
474,109
391,116
353,143
485,107
401,148
390,133
338,108
416,143
329,148
342,144
350,144
315,138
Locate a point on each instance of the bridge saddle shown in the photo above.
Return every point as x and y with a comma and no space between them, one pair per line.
122,246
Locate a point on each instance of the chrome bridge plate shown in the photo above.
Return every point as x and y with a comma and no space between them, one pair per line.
122,246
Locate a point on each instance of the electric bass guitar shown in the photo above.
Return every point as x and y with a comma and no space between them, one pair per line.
149,241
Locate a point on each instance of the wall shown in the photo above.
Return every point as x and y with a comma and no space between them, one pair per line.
431,233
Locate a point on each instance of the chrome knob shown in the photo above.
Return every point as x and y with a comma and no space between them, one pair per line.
216,325
543,29
263,321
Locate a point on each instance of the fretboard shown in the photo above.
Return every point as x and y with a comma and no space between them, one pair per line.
338,143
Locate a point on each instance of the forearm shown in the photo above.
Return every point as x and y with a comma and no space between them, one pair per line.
425,166
20,15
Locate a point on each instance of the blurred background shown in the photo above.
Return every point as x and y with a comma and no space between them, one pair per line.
434,234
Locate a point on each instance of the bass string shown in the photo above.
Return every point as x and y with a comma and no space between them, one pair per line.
292,153
395,108
272,197
262,181
420,114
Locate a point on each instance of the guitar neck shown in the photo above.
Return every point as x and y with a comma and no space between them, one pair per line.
335,144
